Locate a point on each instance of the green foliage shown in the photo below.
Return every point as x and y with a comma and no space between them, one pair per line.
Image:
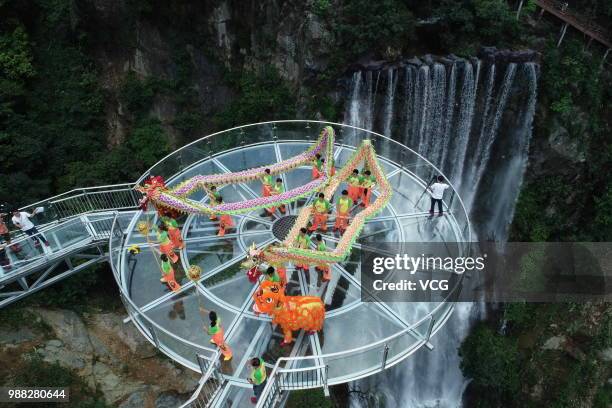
15,55
137,95
465,26
313,398
493,362
519,314
532,220
603,398
262,97
387,23
321,7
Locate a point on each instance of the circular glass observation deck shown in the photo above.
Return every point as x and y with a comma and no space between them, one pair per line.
358,338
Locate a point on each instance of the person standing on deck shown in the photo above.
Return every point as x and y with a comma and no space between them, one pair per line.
320,209
343,208
367,183
436,190
21,220
277,189
354,189
213,197
174,232
165,243
225,221
324,268
266,182
303,242
218,335
317,167
168,273
257,378
271,275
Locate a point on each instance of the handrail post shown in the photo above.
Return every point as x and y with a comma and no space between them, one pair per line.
385,355
87,200
430,328
325,386
202,363
153,334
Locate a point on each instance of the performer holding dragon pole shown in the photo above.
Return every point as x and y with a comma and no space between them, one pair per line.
320,208
367,184
277,189
168,273
213,197
343,212
317,167
302,241
225,221
165,243
174,232
266,182
354,189
324,268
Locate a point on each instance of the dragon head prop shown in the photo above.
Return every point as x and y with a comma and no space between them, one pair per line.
254,258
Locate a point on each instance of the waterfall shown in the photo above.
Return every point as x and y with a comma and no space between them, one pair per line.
473,120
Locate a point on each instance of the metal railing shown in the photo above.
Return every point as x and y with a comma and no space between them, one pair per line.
209,386
29,251
115,197
287,379
166,341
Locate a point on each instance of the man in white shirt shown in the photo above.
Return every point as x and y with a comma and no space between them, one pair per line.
21,220
436,190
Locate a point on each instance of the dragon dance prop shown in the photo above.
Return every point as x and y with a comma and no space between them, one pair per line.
176,198
291,313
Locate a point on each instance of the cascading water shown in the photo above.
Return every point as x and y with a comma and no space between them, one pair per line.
472,119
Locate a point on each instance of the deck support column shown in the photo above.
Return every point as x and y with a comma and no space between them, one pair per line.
603,60
518,12
563,31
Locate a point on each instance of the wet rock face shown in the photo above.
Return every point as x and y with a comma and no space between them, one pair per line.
493,55
110,356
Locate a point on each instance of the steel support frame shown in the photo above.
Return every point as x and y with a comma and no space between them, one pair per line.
45,279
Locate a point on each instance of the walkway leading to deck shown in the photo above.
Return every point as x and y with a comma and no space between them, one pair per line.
564,12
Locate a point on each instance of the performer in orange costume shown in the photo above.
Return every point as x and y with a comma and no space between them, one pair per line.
317,167
277,189
165,244
343,208
218,334
266,182
225,221
320,208
324,268
168,273
367,184
213,196
289,312
174,232
302,241
354,182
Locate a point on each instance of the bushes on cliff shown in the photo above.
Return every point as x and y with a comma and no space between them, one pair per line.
493,362
465,26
